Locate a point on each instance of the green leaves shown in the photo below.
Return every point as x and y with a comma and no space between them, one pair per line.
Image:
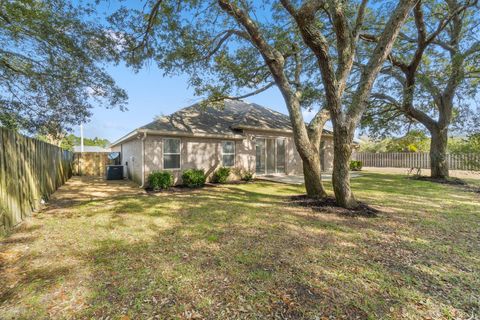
51,64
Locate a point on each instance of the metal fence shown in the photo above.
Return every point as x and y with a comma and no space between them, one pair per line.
469,161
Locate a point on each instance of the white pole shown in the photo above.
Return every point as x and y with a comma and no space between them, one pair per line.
81,138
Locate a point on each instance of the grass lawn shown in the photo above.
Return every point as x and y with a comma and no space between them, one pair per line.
242,251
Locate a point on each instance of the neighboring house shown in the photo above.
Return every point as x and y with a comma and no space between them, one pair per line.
77,149
243,136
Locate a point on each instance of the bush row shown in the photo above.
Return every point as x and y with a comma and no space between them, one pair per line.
192,178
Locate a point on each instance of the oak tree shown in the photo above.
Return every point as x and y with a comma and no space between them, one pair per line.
306,49
431,77
51,55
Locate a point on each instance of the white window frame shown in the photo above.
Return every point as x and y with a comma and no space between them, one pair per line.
171,153
229,154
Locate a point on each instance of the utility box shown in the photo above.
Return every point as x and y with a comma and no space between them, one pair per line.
114,172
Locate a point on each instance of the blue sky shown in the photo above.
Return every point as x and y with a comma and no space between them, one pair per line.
151,94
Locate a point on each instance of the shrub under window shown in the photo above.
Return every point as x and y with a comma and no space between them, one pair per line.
194,178
221,175
159,180
247,176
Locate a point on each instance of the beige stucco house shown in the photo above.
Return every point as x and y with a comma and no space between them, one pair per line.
243,136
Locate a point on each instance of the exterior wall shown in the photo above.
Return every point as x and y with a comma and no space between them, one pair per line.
293,162
195,153
202,153
131,153
327,153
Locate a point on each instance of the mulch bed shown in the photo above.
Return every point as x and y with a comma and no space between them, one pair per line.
449,181
329,205
181,188
176,189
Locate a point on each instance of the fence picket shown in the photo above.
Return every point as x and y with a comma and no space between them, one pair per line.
417,160
29,171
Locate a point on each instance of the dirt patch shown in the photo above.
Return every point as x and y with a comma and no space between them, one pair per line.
330,205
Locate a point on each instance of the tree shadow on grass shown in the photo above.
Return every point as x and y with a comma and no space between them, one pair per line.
238,253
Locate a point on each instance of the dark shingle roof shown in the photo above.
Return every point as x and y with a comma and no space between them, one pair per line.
210,120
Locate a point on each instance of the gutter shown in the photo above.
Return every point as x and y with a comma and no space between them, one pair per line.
243,127
125,137
194,135
143,158
134,133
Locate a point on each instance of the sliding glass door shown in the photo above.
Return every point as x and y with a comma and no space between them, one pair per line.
270,155
260,156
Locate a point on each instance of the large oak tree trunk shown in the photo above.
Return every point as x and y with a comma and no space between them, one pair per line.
438,153
313,179
342,151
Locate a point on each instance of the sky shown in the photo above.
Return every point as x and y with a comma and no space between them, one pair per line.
150,95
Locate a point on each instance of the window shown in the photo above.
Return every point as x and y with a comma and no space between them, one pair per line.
171,153
280,155
228,153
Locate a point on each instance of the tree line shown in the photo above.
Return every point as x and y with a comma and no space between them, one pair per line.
385,66
419,141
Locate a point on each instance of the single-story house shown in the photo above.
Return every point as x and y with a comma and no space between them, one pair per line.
240,135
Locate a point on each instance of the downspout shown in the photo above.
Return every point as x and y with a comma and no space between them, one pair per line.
143,158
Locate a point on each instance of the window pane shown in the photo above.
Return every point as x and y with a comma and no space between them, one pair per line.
171,145
270,156
171,161
281,155
228,147
260,156
229,160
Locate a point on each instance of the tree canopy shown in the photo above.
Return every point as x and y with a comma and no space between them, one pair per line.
306,49
51,67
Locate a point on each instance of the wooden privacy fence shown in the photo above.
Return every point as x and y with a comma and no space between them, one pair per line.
90,163
417,160
30,170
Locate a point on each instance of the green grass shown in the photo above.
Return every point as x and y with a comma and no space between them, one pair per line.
241,251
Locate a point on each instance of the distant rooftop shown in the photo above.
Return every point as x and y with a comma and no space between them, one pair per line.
91,149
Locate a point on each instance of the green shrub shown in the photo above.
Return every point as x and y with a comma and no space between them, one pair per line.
158,180
247,176
221,175
194,178
356,165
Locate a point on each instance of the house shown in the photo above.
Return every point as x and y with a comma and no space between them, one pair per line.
243,136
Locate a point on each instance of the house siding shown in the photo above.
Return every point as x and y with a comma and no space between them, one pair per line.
206,154
195,153
131,153
328,153
293,162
